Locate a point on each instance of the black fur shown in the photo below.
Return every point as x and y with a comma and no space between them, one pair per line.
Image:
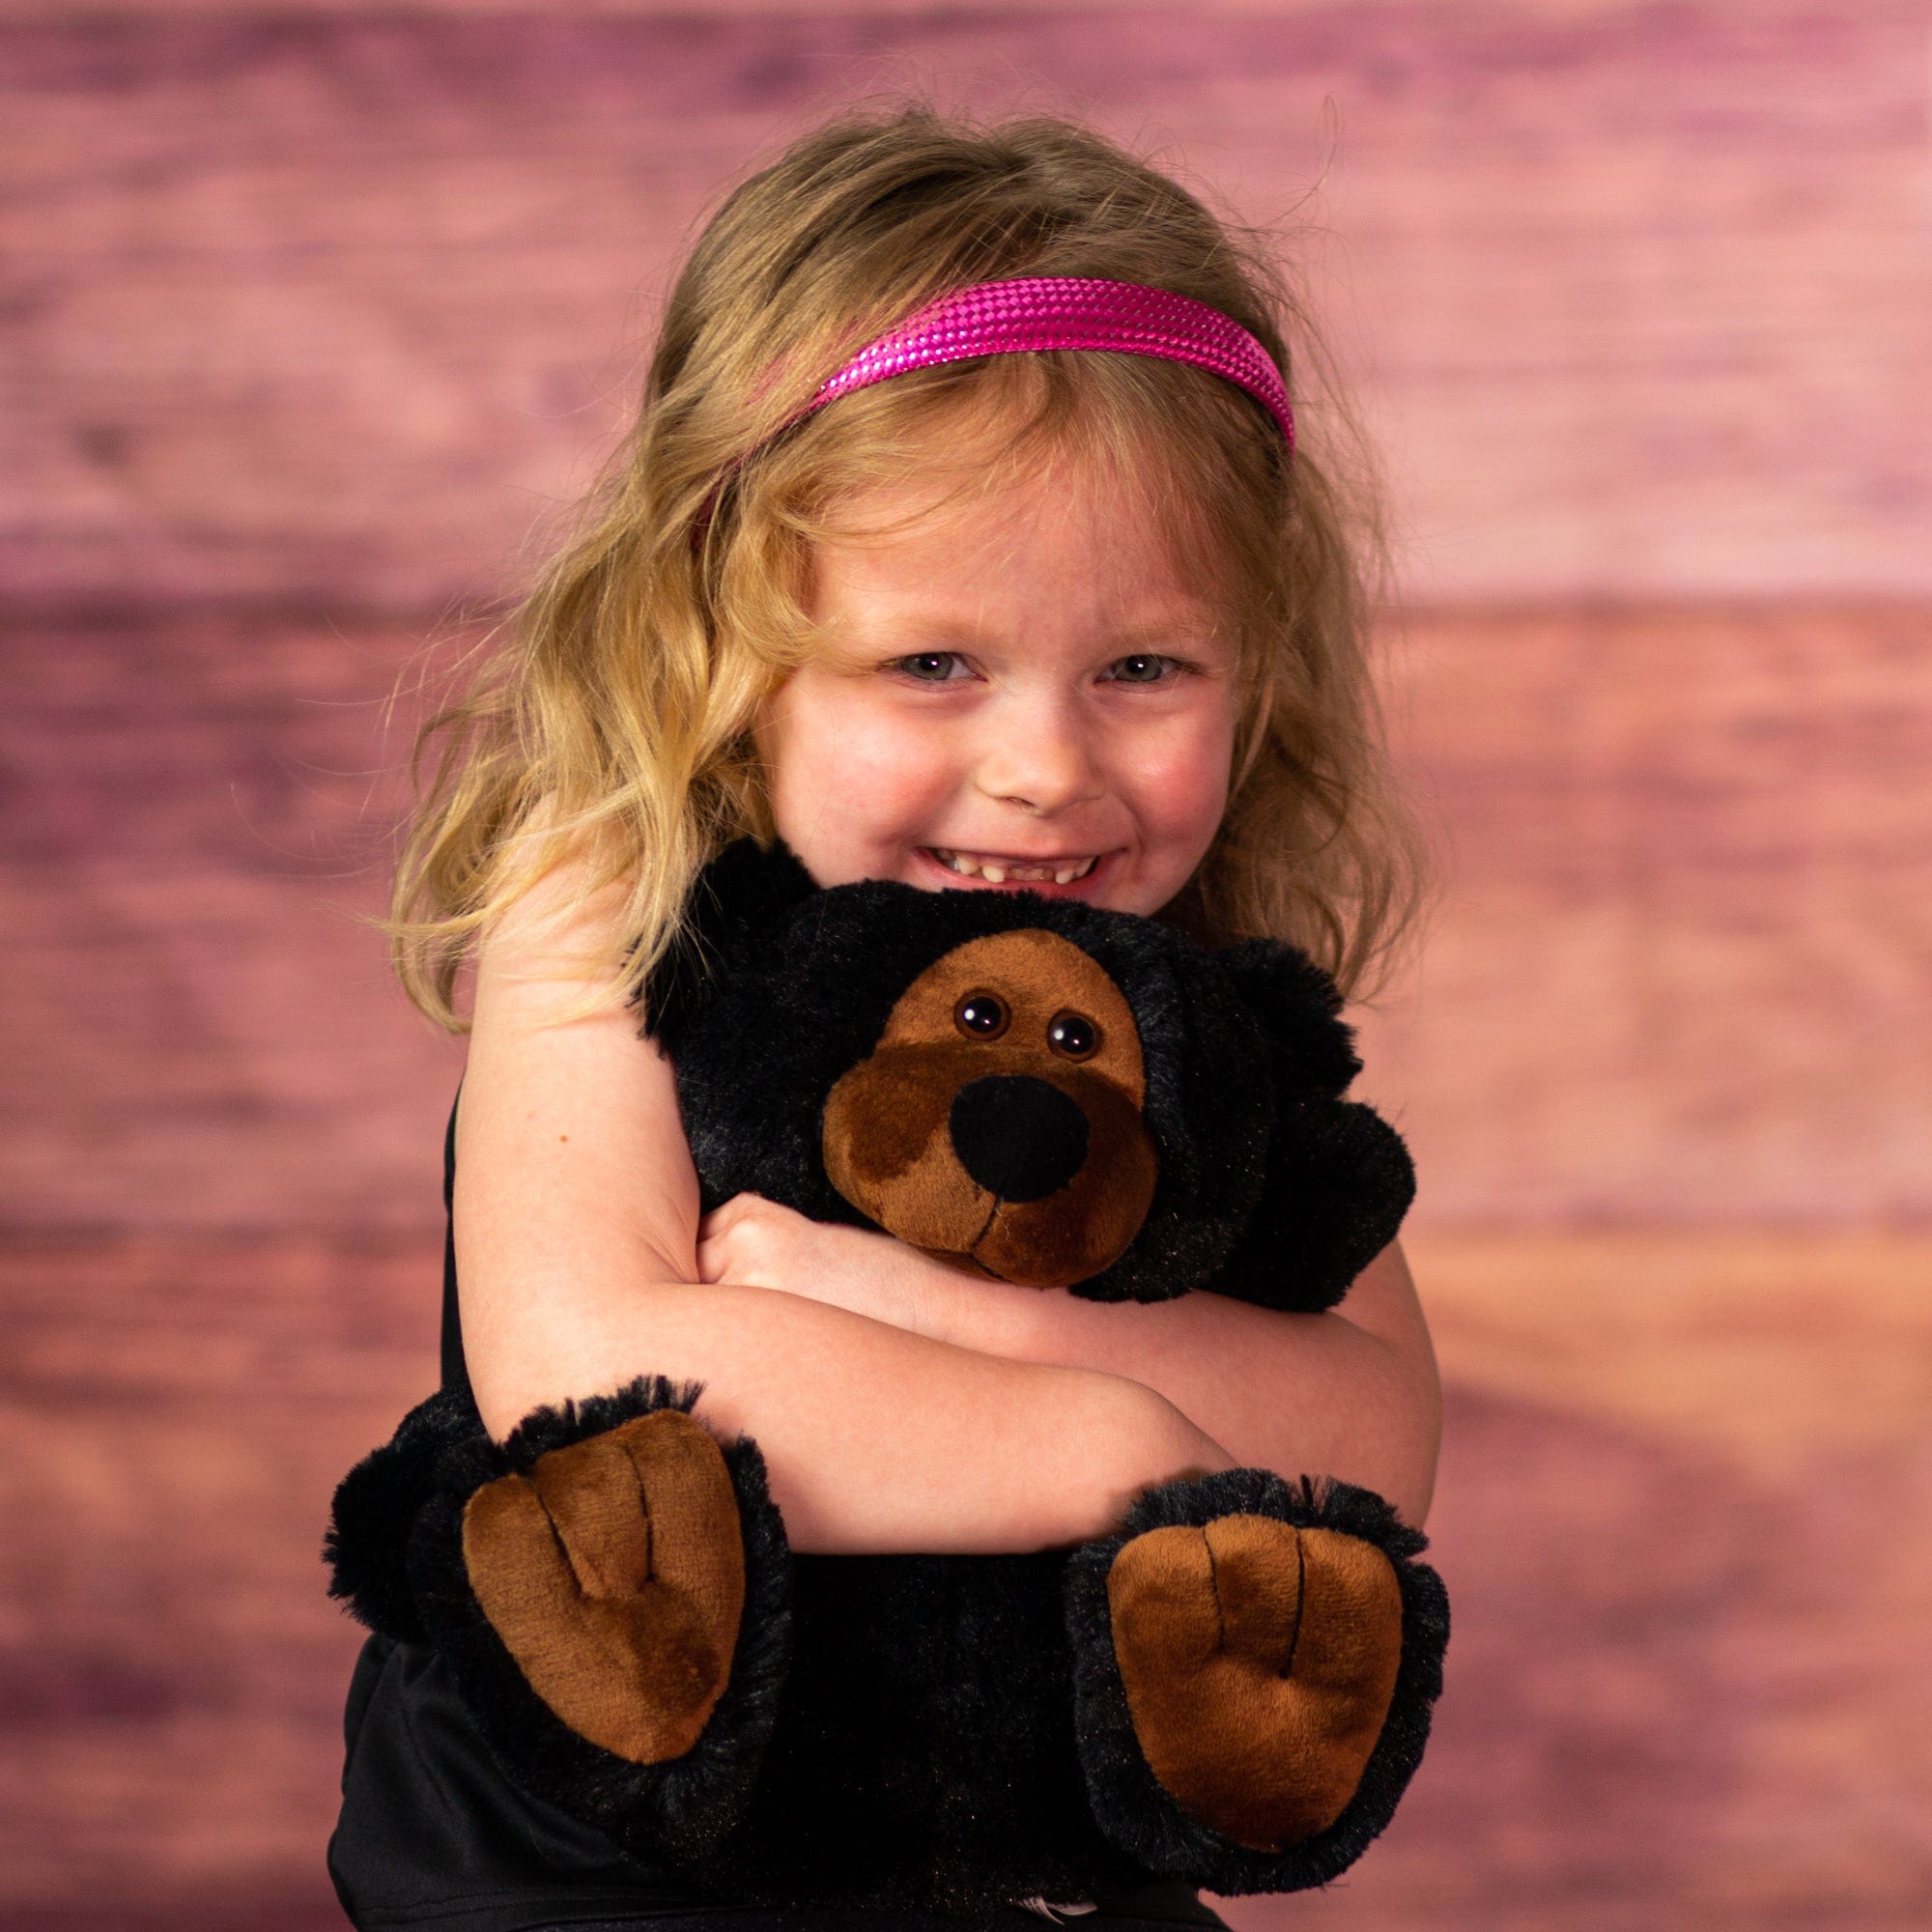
1245,1056
404,1502
1339,1183
1339,1179
1299,1007
375,1512
924,1756
740,893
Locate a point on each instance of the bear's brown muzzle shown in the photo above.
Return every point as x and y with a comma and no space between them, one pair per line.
1004,1155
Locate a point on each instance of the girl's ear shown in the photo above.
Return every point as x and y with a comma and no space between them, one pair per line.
1299,1007
735,903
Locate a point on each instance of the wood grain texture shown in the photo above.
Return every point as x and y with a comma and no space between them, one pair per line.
1681,967
332,307
174,1419
199,1027
318,315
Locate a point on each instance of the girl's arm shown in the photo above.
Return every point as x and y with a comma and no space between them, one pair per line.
575,1221
1352,1393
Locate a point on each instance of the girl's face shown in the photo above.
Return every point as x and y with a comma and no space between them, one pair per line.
1017,691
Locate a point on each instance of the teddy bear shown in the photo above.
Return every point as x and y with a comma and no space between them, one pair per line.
1233,1688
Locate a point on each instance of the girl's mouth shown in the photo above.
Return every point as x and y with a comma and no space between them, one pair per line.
1059,872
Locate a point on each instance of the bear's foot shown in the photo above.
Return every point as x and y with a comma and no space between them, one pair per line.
607,1592
1259,1660
614,1572
1254,1662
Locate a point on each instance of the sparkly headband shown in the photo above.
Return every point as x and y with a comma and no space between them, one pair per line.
1057,312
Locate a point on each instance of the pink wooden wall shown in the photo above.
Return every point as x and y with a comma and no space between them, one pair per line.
311,316
327,304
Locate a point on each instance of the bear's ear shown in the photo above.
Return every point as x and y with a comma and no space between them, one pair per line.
1299,1009
735,903
1339,1179
1338,1182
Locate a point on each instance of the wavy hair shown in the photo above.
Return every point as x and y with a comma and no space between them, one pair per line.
614,719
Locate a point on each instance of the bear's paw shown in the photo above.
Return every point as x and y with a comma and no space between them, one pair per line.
1258,1662
614,1573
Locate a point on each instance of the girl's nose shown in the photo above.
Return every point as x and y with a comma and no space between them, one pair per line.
1040,758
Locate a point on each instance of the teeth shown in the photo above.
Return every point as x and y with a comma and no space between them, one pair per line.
996,873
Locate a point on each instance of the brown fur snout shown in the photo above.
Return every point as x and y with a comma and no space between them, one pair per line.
997,1124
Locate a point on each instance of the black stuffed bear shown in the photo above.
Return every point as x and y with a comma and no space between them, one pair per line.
1233,1690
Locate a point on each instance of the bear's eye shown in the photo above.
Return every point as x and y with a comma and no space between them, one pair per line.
1074,1034
980,1016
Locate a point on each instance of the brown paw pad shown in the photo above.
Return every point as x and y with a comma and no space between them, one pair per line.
614,1573
1258,1662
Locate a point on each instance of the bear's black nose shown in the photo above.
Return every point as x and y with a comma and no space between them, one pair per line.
1018,1137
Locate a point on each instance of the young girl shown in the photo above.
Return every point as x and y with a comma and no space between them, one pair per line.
1086,619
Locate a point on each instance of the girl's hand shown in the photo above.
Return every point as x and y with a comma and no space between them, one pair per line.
759,1243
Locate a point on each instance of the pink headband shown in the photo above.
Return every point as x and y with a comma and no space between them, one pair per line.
1059,312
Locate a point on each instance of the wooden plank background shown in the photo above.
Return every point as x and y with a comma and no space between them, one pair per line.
1637,293
315,313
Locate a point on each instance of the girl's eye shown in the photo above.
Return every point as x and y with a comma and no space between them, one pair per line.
940,667
928,667
1144,668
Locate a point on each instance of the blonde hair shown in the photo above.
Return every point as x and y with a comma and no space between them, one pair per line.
614,718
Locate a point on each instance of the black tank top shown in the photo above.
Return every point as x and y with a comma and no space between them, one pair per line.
431,1835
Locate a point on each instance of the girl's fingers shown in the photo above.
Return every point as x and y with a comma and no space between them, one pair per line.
710,1261
727,1215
